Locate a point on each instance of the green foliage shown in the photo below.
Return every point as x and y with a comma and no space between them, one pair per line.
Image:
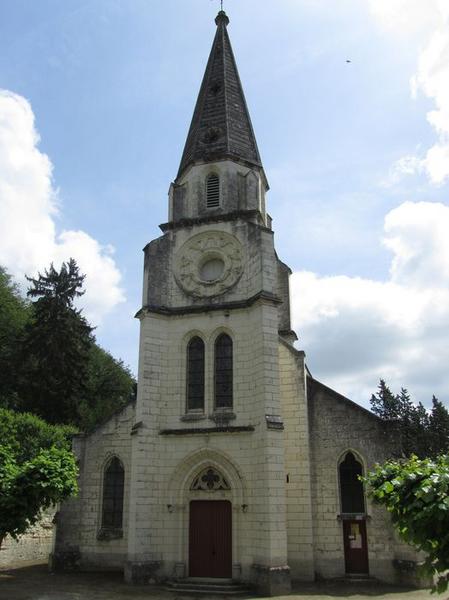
37,470
25,434
416,494
14,313
439,427
418,431
50,364
109,387
385,404
56,346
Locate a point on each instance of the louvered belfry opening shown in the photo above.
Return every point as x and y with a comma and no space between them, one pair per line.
223,371
195,374
213,191
351,488
113,488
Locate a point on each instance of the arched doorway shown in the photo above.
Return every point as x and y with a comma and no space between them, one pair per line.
353,514
210,528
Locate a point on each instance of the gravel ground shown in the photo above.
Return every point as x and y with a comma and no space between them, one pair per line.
34,582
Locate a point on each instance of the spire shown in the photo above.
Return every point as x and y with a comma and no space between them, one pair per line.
221,125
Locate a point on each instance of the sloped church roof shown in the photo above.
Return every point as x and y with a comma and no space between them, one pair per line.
221,125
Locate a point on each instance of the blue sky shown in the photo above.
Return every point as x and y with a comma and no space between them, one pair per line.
356,153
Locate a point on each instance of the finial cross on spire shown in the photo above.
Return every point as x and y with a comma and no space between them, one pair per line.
221,5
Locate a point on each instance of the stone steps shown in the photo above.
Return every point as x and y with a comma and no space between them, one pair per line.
208,588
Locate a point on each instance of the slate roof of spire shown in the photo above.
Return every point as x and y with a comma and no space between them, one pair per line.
221,125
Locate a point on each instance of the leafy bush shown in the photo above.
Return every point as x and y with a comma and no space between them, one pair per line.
416,494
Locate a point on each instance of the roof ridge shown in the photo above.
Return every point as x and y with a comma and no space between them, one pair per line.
224,33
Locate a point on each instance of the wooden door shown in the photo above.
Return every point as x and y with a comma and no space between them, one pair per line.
210,538
356,547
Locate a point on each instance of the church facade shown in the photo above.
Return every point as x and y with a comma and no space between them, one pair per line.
233,463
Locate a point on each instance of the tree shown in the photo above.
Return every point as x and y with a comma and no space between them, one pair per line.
418,431
50,364
14,313
384,403
416,494
56,346
109,386
37,470
419,436
439,427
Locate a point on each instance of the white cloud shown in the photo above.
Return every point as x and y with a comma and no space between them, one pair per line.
431,19
29,207
406,17
357,330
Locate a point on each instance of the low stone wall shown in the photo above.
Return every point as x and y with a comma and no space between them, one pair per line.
34,545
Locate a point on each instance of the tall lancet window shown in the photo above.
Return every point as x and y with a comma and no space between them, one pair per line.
113,488
223,371
351,488
212,191
195,374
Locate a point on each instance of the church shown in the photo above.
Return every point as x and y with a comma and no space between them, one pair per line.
234,464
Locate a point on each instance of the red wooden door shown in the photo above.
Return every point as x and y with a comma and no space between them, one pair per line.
210,538
356,547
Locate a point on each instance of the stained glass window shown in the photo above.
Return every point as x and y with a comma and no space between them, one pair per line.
223,371
351,488
113,488
195,374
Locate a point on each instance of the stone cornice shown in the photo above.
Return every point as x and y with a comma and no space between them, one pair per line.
244,215
203,430
185,310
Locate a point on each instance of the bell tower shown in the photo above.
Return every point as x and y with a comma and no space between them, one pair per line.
208,493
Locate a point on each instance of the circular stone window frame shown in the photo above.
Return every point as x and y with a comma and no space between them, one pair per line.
200,249
208,257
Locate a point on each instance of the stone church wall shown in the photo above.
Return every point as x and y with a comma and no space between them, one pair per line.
338,425
169,453
79,519
297,463
35,545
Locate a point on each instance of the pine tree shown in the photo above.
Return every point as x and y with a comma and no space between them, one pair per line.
418,431
384,403
56,346
406,422
439,428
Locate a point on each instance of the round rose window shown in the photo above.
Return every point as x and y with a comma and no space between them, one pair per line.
209,264
212,269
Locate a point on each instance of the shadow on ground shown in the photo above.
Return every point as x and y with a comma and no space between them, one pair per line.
34,582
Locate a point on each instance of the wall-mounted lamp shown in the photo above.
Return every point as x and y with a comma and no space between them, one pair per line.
244,508
170,508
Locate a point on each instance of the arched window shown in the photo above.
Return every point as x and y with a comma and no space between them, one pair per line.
351,488
223,371
212,191
195,374
113,488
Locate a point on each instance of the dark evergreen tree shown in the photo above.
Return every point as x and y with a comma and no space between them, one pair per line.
418,435
418,431
384,403
439,428
56,346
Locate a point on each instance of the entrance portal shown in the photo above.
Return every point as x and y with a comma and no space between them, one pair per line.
210,538
356,549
